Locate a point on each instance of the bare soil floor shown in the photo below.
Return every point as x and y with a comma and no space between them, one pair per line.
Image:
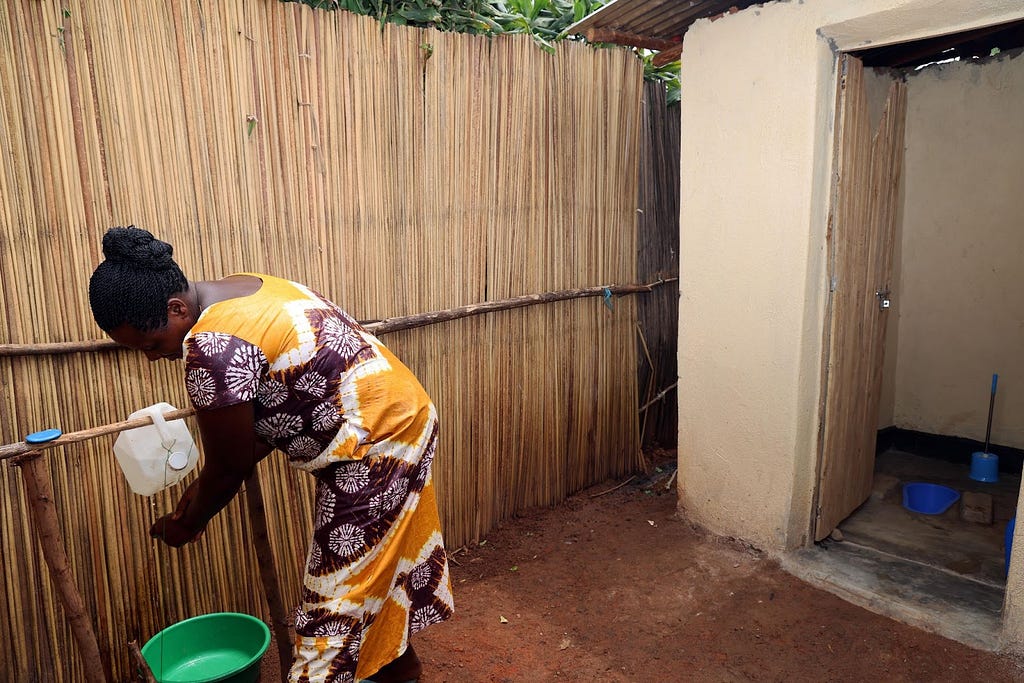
613,585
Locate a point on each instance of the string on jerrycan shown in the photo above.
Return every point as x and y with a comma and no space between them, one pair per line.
153,458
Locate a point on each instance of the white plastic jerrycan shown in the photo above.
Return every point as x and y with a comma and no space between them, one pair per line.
155,456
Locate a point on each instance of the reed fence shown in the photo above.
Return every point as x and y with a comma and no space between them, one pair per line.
657,259
396,170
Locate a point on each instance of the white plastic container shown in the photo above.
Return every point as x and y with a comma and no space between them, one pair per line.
155,456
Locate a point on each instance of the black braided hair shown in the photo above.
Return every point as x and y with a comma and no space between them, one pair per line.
135,281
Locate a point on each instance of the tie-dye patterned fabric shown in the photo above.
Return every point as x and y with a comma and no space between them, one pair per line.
342,407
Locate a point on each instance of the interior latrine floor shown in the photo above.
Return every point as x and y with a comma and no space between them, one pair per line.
938,572
944,541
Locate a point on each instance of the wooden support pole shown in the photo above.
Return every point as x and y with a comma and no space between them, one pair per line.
39,493
610,35
140,662
667,56
268,571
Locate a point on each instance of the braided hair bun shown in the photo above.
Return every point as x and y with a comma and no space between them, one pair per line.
132,286
137,247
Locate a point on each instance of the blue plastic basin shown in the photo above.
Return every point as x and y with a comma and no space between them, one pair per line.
928,499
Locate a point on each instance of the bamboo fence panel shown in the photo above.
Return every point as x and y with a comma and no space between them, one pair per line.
395,170
658,257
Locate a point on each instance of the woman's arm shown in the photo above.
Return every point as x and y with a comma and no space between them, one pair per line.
231,452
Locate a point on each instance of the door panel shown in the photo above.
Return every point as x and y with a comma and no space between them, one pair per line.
868,166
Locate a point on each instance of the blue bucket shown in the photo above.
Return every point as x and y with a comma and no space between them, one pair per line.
984,467
928,499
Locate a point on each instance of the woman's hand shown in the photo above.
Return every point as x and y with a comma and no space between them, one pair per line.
173,531
231,452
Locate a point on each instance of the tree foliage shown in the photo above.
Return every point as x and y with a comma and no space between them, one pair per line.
543,20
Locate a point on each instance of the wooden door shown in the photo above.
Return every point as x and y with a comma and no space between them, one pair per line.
868,165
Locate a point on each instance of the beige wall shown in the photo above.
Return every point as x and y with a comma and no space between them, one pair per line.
757,105
758,96
961,292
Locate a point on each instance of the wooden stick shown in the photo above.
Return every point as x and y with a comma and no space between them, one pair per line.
268,571
21,448
659,396
421,319
140,662
39,493
668,484
614,488
57,348
376,326
609,35
668,56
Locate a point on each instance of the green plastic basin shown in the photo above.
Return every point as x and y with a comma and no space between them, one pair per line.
223,646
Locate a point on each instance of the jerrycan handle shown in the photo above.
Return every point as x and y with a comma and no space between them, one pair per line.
161,425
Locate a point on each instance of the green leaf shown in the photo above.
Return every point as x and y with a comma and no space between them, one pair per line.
535,11
579,10
545,21
424,16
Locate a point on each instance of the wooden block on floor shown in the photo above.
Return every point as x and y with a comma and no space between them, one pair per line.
976,507
883,485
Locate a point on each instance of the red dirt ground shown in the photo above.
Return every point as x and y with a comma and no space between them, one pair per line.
615,586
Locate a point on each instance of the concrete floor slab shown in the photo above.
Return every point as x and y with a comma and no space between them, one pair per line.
927,597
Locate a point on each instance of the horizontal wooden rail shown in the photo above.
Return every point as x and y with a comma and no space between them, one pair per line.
21,448
376,327
58,348
421,319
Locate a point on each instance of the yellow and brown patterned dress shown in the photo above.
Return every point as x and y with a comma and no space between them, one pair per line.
342,407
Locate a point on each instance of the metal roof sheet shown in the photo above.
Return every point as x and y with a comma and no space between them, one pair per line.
661,24
665,20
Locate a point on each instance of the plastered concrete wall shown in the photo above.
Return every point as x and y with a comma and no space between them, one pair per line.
961,291
758,91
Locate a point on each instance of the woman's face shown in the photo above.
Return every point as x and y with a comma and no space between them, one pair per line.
163,342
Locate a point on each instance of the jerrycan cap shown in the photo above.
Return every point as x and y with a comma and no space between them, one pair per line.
177,460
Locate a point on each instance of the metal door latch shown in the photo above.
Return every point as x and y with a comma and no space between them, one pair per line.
883,299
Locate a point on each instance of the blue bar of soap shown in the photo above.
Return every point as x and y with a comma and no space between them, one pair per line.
43,436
